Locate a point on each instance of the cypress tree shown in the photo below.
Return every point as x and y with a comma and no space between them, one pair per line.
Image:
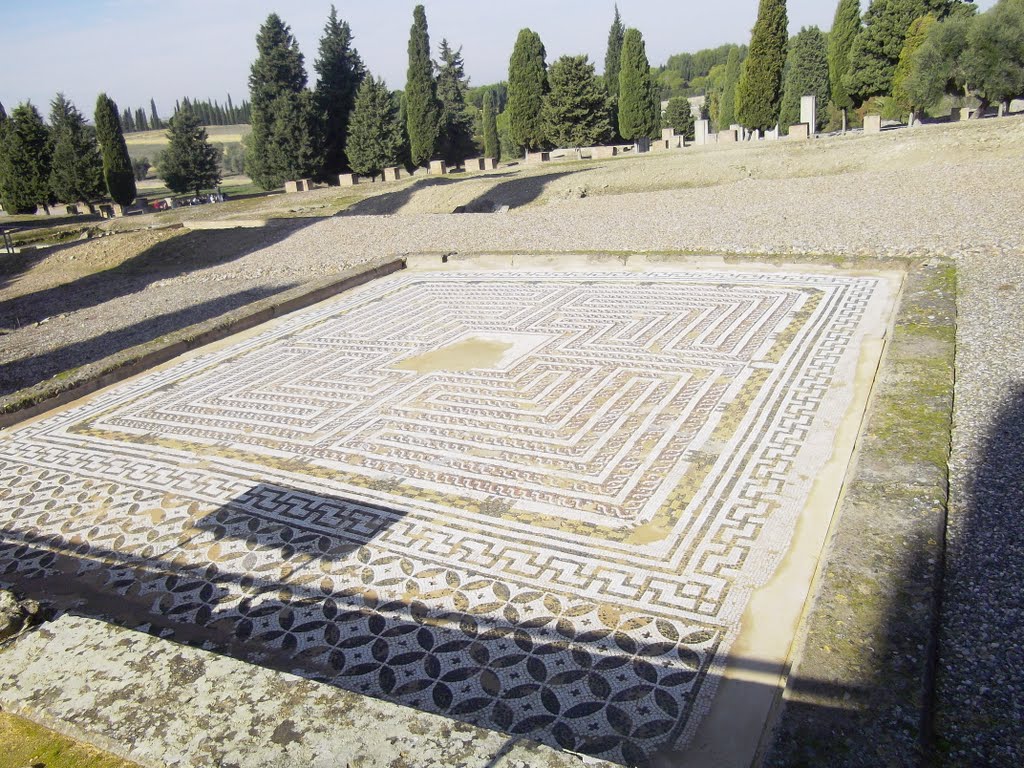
576,111
421,93
76,171
340,70
375,134
456,122
492,147
760,88
280,144
527,87
25,161
613,65
639,106
189,164
117,166
613,55
806,74
845,28
901,102
727,103
157,123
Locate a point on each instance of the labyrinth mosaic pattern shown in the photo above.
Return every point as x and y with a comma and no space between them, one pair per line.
536,502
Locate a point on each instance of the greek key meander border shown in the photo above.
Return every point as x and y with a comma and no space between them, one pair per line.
801,413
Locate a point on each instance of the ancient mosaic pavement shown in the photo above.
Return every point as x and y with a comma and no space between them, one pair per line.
538,502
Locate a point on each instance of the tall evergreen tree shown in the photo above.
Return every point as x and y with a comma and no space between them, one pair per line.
456,122
527,87
492,147
117,166
806,74
727,102
613,65
189,164
375,133
157,123
613,55
845,28
876,51
576,110
421,93
25,158
76,172
639,105
340,71
760,88
281,145
937,68
901,102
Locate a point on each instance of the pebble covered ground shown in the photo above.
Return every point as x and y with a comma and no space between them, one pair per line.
953,190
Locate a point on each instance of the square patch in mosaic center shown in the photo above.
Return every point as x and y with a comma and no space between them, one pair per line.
587,469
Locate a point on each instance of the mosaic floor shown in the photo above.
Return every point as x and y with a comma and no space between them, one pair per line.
538,502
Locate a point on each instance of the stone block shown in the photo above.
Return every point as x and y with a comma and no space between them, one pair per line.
476,164
701,131
600,153
490,163
438,168
643,144
538,157
809,111
291,187
872,123
392,174
348,180
304,185
800,131
727,137
668,134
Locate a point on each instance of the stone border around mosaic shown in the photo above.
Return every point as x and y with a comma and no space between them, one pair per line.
79,382
861,687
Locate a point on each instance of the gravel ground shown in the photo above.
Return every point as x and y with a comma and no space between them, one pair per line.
953,190
980,718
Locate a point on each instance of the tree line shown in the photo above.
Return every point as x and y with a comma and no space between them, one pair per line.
901,58
208,112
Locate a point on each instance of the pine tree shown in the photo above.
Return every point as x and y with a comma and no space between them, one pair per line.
117,166
76,171
901,102
679,116
375,134
492,147
760,88
727,102
456,122
639,105
189,164
157,123
25,159
421,93
845,28
806,74
613,55
340,71
281,145
576,110
527,87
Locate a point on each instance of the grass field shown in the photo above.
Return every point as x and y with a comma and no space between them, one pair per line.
150,143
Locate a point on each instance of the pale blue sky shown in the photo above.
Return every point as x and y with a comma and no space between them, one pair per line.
135,49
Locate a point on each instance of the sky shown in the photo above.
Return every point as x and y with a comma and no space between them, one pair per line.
165,49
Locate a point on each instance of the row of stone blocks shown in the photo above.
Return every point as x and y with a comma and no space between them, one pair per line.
437,168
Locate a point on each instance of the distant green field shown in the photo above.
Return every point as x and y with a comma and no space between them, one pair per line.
150,143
